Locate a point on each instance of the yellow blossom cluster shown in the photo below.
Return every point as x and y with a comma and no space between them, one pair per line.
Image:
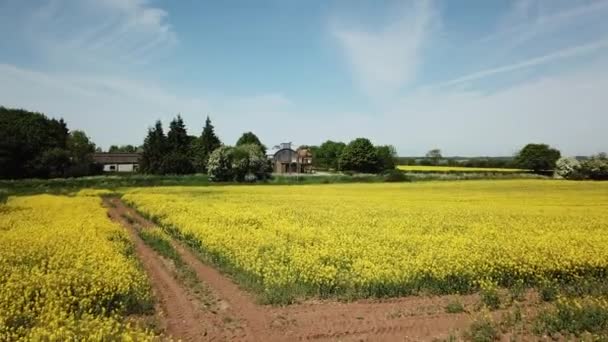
392,239
67,272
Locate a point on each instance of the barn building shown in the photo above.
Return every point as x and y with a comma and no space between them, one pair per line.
118,162
287,160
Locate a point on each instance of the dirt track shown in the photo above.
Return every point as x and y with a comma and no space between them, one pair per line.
239,318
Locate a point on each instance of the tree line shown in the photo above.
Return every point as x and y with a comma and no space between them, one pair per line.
35,146
180,153
359,155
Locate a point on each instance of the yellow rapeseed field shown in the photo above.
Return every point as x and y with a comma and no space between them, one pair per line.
66,272
430,168
392,239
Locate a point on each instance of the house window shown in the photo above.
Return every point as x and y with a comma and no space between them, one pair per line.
112,167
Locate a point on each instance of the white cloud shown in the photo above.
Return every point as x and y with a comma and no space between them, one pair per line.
385,59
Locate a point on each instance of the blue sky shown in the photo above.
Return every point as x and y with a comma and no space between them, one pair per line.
470,77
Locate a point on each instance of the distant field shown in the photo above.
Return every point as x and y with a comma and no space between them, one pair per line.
381,240
423,168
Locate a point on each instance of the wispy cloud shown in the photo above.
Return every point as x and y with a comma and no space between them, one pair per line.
531,19
554,56
99,31
384,59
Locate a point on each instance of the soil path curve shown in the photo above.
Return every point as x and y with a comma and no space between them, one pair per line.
399,319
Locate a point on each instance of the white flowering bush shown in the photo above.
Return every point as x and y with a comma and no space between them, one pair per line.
567,167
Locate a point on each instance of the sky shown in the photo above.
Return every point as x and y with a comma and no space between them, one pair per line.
470,77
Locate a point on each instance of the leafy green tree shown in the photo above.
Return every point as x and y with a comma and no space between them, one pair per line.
242,163
249,163
537,157
25,138
596,167
250,138
53,162
387,155
327,156
81,150
154,150
80,147
204,145
360,156
434,156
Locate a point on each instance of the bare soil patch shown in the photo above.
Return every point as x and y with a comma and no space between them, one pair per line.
238,317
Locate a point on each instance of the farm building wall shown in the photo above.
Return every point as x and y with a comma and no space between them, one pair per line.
120,167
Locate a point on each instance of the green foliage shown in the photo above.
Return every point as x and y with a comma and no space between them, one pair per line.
160,243
433,156
176,163
80,147
27,140
177,137
3,197
489,296
327,156
454,307
387,155
249,138
123,149
154,150
360,156
249,163
596,167
204,145
482,330
395,176
574,316
518,291
53,162
537,157
548,291
241,163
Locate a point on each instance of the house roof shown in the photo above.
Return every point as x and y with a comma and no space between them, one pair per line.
116,158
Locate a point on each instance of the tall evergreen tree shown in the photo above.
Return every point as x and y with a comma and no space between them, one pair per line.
177,137
177,160
154,149
204,145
